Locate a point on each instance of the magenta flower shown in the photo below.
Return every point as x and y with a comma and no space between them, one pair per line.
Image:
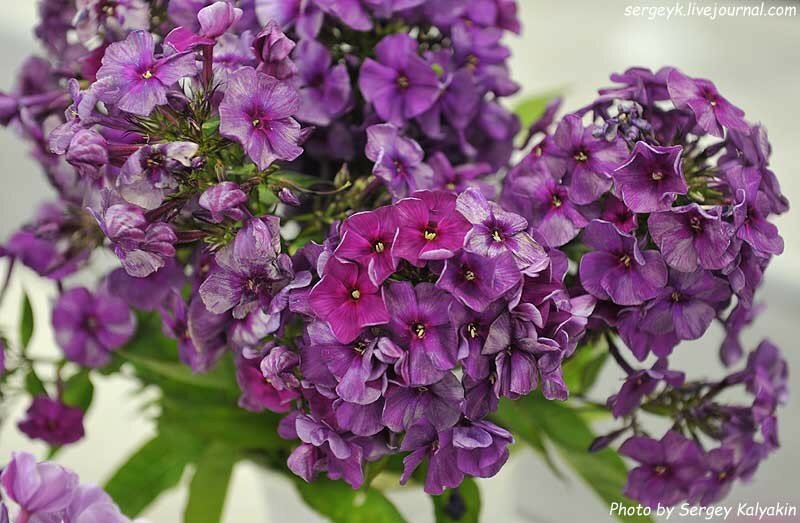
347,299
367,239
400,84
398,160
430,228
51,421
89,326
477,281
38,488
617,269
133,80
257,112
257,393
651,178
711,109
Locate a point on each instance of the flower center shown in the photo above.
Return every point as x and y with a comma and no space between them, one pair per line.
557,201
496,236
472,62
360,347
256,122
402,82
472,330
657,175
147,74
469,275
675,296
378,246
419,330
581,156
660,469
695,223
625,260
429,234
355,294
722,475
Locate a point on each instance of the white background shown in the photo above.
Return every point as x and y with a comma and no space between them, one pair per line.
574,45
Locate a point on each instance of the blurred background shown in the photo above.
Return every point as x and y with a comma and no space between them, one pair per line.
570,46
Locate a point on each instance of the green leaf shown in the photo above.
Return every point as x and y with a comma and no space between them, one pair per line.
157,466
78,390
26,322
603,471
337,501
33,384
461,505
513,416
209,485
530,109
178,372
583,368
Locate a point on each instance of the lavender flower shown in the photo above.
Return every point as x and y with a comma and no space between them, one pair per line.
272,48
147,175
325,92
38,488
398,160
223,200
367,239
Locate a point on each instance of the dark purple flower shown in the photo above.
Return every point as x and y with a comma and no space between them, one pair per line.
325,91
481,448
257,112
640,384
589,160
440,403
257,393
430,228
422,440
711,109
686,305
651,178
667,468
690,236
278,368
617,269
342,459
616,212
641,342
89,326
722,468
142,247
224,200
51,421
303,15
473,330
400,84
351,12
134,80
272,48
477,280
419,323
367,239
459,178
147,175
480,51
348,300
398,160
247,270
496,231
120,16
214,20
751,211
38,488
87,152
198,331
767,375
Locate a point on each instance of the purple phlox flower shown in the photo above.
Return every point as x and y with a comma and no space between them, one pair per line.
723,471
367,239
429,227
639,84
288,197
543,123
589,161
214,21
477,280
400,84
746,272
247,269
640,384
628,124
419,323
141,246
224,200
248,332
325,449
257,112
629,326
473,329
278,368
303,15
690,236
460,177
352,12
458,100
423,440
361,420
149,292
200,333
491,140
767,375
667,468
440,403
88,153
2,358
751,211
52,421
740,317
479,397
89,326
325,91
231,53
398,160
480,52
616,212
133,80
148,174
91,503
38,488
116,18
617,269
711,109
651,178
496,231
516,370
753,150
272,49
348,300
537,195
481,448
258,393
